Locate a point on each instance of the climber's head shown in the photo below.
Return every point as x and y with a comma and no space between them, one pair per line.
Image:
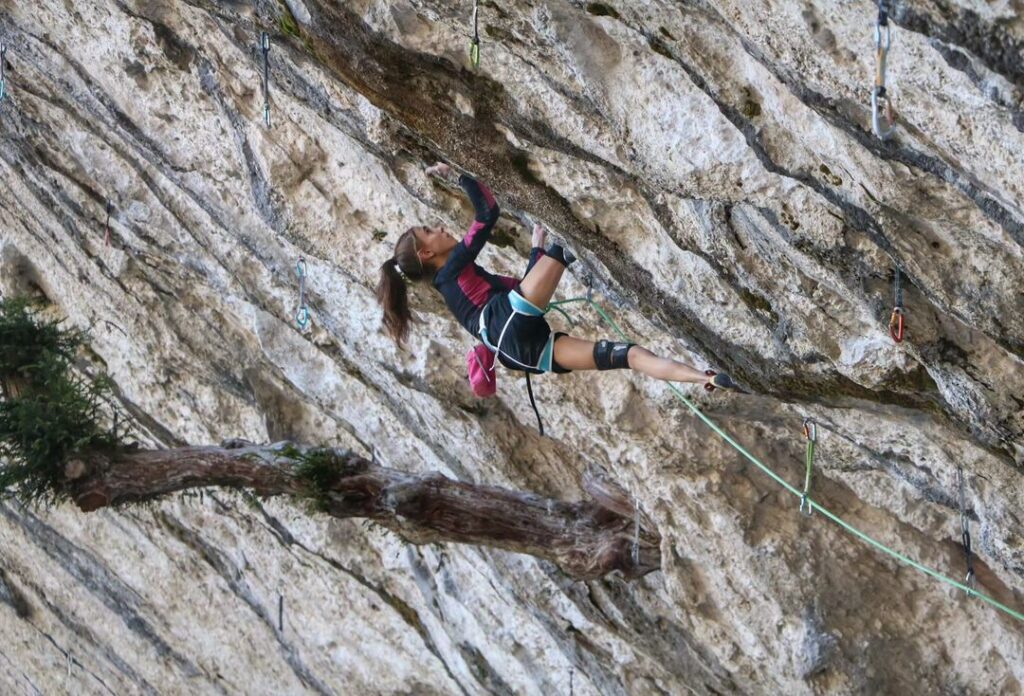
419,253
432,244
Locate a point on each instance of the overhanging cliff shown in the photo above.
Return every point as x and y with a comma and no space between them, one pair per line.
714,167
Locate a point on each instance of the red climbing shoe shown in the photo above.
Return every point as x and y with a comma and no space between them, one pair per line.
719,380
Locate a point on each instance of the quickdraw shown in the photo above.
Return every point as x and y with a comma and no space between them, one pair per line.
636,533
879,94
792,490
811,435
106,226
965,530
265,46
302,315
474,43
897,327
3,71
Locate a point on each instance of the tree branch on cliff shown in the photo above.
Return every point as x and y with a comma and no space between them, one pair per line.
53,448
585,539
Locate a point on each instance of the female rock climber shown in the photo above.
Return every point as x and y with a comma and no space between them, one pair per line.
507,314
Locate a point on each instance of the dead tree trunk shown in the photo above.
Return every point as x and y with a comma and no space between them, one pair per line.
12,386
587,539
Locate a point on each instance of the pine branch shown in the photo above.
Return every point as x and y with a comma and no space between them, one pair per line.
585,539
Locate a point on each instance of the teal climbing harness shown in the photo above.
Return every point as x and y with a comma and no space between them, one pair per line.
474,43
265,46
811,435
302,315
879,93
825,512
896,321
965,530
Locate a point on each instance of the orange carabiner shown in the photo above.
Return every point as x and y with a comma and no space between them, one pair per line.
896,325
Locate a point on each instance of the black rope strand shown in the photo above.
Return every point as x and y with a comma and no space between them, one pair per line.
533,403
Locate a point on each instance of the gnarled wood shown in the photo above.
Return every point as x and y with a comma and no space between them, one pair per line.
586,539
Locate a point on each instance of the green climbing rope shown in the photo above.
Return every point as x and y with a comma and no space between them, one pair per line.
778,479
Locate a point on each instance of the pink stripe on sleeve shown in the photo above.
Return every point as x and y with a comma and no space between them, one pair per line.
474,286
476,227
488,196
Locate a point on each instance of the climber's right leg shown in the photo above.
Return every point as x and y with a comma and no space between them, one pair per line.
577,354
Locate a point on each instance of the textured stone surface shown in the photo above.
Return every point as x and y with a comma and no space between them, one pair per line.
712,163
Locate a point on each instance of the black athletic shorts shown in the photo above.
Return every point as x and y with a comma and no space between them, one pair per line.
527,342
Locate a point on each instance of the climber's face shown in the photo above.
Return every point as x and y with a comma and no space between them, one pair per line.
433,243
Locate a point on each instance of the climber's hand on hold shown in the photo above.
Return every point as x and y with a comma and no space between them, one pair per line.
540,236
441,170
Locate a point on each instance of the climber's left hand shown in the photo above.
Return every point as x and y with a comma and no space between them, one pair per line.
540,236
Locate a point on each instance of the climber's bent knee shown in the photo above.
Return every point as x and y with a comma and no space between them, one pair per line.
612,356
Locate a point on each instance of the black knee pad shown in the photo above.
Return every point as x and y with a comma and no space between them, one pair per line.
560,254
612,356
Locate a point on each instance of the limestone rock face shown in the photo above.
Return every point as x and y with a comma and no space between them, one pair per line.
713,166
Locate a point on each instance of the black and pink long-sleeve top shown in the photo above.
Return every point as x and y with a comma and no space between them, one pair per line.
465,286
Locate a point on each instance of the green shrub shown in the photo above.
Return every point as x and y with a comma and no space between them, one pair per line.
48,414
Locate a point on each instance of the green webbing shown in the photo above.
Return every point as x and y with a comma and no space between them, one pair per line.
778,479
